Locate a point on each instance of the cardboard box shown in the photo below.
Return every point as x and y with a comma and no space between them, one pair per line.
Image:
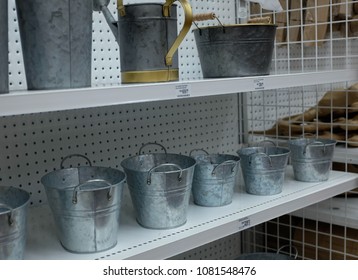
281,22
296,15
345,9
316,20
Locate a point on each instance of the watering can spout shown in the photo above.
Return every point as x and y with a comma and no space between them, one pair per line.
102,6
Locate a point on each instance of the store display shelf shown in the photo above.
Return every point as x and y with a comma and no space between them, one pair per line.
26,102
345,155
337,210
204,224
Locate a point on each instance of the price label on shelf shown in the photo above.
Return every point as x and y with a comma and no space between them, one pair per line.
259,84
183,90
244,223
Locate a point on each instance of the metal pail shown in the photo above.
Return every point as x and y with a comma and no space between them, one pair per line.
311,159
56,38
278,256
85,202
215,177
160,186
13,222
235,50
4,49
263,169
148,40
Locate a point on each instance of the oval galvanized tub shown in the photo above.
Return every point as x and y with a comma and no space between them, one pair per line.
263,169
4,60
215,177
13,222
235,50
160,186
85,202
311,159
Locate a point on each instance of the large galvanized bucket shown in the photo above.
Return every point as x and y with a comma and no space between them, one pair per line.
215,177
4,60
148,40
85,202
56,38
311,159
160,186
235,50
263,169
13,222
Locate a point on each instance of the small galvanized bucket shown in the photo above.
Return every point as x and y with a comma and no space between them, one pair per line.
85,202
311,159
160,186
4,60
215,177
278,256
56,39
13,222
235,50
148,39
263,169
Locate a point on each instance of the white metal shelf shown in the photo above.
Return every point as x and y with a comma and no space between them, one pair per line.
26,102
204,224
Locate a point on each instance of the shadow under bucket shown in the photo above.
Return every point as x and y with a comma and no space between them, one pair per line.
56,39
311,159
215,177
160,187
4,48
263,169
13,222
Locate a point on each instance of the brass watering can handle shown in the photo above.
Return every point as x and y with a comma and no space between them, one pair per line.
10,218
186,27
120,7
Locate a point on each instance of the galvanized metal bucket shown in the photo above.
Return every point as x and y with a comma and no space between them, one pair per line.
235,50
148,40
311,159
85,202
215,177
13,222
263,169
278,256
56,38
4,60
160,186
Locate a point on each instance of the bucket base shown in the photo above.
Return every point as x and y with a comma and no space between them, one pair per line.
87,252
150,76
169,227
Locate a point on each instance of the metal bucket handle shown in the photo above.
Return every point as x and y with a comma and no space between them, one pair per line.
149,176
206,16
226,162
260,154
10,218
166,13
75,155
267,141
288,246
78,189
312,143
152,143
202,150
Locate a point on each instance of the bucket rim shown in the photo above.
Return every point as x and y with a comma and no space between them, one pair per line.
235,25
17,189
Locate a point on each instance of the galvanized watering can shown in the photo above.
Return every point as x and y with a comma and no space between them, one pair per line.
311,159
4,60
13,222
86,203
148,40
215,177
160,186
56,39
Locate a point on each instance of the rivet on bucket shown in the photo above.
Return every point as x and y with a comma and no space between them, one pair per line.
13,222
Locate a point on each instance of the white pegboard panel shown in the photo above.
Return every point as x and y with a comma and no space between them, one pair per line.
33,145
